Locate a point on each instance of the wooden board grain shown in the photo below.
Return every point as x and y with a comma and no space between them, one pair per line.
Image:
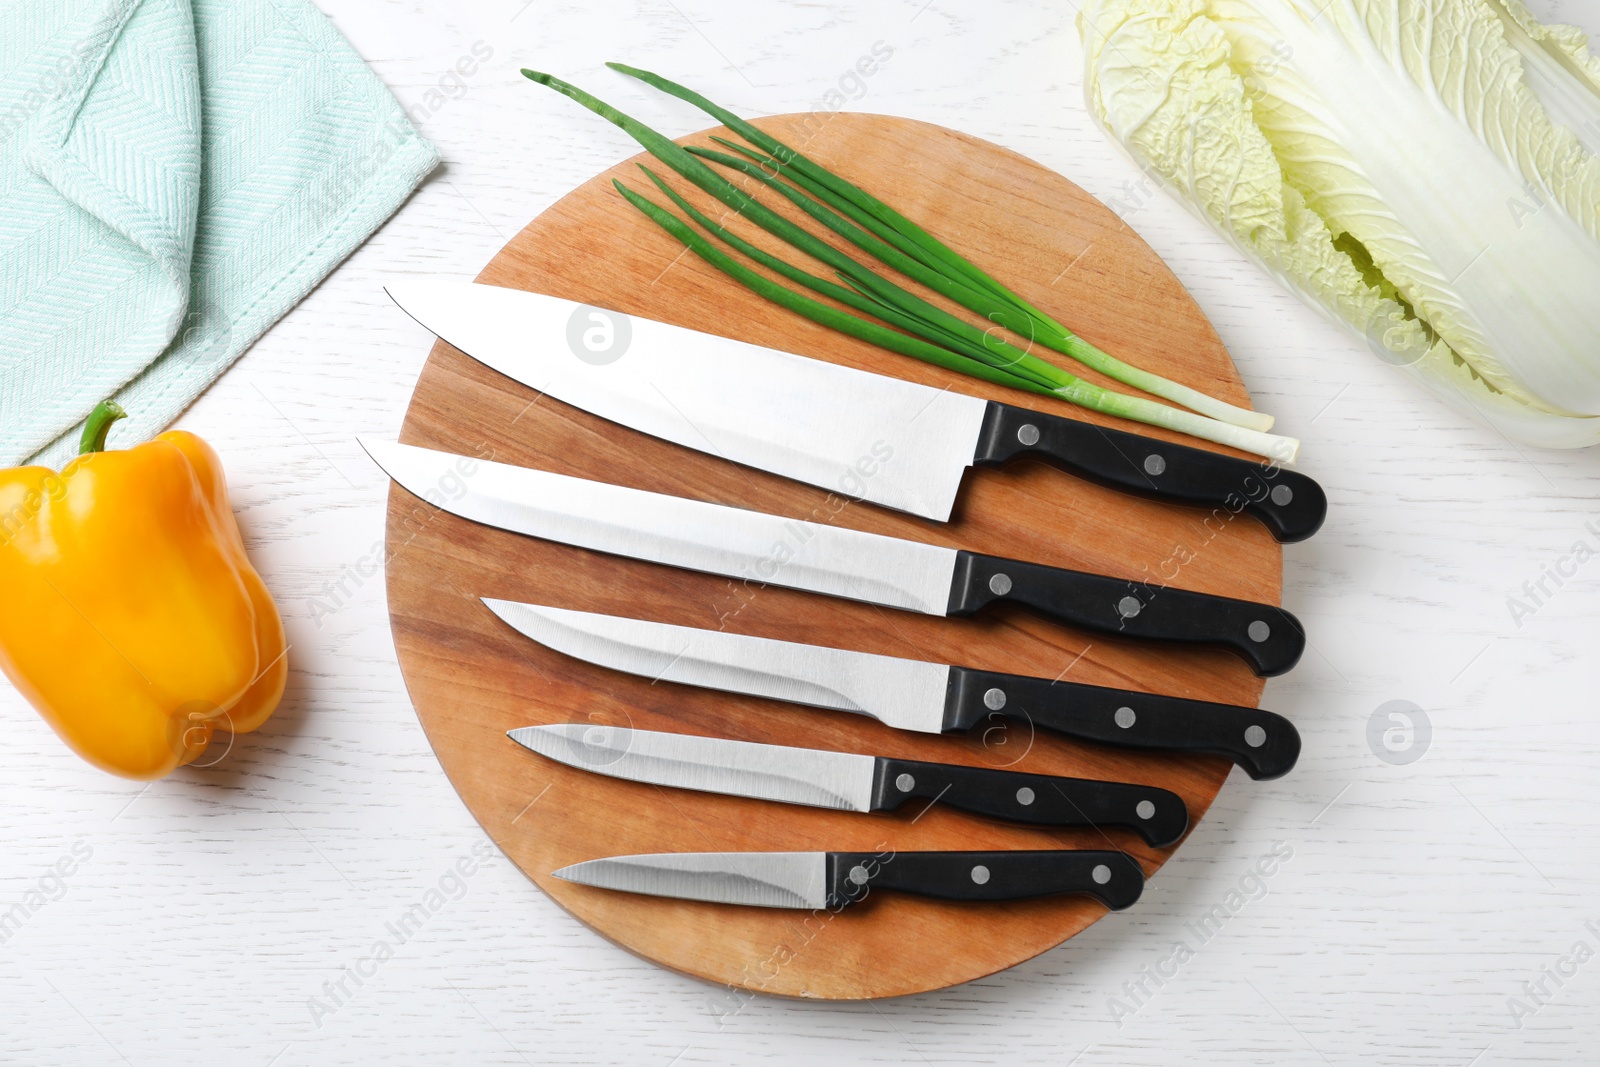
471,678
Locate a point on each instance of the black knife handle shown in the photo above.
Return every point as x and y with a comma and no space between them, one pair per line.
1269,638
1113,878
1264,744
1290,505
1157,815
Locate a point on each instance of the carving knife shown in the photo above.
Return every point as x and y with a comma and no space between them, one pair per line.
768,549
832,880
850,782
867,436
909,694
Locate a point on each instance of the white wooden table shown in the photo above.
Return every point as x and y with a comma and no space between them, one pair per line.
233,914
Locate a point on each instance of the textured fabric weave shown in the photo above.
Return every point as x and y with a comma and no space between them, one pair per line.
174,176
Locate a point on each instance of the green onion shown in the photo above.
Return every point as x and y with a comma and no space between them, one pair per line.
975,347
905,263
1076,390
845,207
786,156
887,224
931,334
820,312
690,166
983,303
680,160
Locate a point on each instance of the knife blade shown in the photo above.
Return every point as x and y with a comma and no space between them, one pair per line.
868,436
849,782
832,880
768,549
909,694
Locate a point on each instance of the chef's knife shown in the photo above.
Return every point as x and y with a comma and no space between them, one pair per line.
850,782
865,435
909,694
768,549
817,880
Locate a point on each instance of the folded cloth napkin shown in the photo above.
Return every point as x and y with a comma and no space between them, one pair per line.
174,176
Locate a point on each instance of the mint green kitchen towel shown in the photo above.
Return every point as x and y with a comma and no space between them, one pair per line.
174,176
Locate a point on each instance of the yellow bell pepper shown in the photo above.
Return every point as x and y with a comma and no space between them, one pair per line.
131,618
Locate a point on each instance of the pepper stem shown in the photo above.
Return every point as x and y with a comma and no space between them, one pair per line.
98,425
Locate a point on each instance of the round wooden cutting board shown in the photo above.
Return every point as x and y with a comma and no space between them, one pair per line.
472,678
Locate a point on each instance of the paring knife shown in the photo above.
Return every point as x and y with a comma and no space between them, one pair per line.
768,549
817,880
909,694
870,437
849,782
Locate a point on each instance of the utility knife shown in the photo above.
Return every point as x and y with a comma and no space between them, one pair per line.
833,880
909,694
849,782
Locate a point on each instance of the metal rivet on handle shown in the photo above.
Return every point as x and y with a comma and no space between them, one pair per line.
1028,434
1258,631
1101,874
1129,606
858,875
980,874
1144,809
1024,796
1000,584
1255,737
994,699
1154,464
1125,717
905,783
1282,495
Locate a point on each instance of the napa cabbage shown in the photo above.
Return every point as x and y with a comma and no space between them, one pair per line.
1427,172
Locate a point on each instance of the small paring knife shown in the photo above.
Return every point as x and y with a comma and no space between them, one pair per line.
868,436
766,549
909,694
833,880
850,782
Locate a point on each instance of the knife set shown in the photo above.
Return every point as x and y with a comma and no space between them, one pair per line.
812,421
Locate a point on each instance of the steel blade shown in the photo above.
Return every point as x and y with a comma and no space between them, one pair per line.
746,545
905,694
759,879
841,780
864,435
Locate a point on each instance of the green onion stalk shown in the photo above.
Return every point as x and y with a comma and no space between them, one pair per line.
930,333
1024,319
